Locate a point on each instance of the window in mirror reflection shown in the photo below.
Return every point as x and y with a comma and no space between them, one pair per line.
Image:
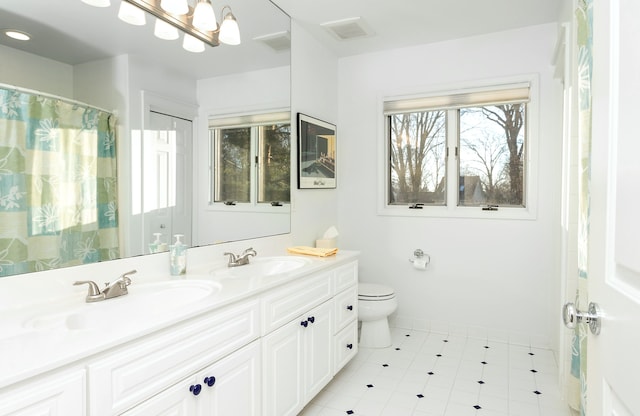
251,159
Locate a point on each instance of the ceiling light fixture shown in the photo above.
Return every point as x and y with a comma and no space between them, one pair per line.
198,23
17,34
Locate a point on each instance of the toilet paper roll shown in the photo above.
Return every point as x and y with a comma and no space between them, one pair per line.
420,264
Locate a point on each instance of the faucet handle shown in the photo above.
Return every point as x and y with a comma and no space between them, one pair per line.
232,257
94,294
125,277
250,251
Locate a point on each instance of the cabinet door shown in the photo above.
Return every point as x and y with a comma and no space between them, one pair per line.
178,400
232,385
318,349
61,394
282,363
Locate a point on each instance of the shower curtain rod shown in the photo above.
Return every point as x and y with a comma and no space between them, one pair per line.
55,97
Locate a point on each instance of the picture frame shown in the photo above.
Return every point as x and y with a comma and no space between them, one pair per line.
317,154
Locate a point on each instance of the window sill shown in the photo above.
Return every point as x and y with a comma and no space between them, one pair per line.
285,208
503,213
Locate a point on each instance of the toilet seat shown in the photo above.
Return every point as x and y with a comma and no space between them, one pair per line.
374,292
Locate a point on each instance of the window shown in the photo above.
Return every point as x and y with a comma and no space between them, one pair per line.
465,149
251,159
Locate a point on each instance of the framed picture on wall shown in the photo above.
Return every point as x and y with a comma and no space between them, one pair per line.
316,153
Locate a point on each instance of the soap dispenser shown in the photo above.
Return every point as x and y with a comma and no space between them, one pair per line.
155,246
178,256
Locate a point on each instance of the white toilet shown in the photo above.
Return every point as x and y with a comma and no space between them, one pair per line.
375,303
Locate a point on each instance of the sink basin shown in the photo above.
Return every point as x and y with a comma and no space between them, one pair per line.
264,267
144,304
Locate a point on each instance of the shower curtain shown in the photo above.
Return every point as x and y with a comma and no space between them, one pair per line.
578,376
58,194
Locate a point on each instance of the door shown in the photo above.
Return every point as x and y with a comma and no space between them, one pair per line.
613,365
318,349
167,178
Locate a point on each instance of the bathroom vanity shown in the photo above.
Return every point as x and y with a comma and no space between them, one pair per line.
260,339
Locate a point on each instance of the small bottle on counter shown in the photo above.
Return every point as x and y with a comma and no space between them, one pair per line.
155,246
178,256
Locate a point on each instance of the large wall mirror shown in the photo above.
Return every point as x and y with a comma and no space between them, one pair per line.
180,116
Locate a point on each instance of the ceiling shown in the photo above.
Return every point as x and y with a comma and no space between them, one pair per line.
401,23
73,32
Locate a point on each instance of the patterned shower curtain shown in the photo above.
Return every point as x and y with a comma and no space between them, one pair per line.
578,378
58,195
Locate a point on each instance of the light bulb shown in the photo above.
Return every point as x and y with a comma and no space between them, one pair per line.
192,44
164,30
204,17
131,14
229,31
177,7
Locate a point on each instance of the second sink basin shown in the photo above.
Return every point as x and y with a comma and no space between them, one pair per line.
264,267
144,304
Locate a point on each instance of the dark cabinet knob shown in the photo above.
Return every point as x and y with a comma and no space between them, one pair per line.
195,389
312,319
350,307
350,346
210,381
304,323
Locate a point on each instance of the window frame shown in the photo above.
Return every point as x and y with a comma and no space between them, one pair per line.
253,121
451,209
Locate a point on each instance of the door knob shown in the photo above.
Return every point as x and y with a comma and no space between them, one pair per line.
572,316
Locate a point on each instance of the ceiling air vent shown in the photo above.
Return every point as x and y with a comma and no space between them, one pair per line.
280,41
347,28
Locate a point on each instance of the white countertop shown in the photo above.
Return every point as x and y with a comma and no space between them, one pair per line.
29,350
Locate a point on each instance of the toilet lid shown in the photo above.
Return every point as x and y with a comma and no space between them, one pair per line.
373,291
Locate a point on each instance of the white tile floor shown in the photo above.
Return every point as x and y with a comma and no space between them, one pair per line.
433,374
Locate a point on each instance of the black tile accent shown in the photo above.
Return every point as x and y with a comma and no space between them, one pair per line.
385,365
477,407
369,385
408,335
445,340
431,373
350,412
438,355
484,363
531,353
533,371
480,382
420,396
486,347
397,349
537,392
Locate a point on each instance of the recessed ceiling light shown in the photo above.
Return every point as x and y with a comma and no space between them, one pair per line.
16,34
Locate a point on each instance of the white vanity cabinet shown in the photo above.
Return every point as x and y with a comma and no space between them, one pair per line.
299,356
230,386
134,373
62,393
346,315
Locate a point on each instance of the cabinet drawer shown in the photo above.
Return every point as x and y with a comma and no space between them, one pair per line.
346,346
346,307
287,303
346,276
138,371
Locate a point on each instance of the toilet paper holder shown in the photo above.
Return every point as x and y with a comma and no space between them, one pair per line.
418,254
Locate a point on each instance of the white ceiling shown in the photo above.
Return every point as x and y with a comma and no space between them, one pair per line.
400,23
72,32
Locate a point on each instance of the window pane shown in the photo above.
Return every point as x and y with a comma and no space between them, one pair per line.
232,155
274,163
418,158
492,146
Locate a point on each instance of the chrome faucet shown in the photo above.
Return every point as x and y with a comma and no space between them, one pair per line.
112,290
241,259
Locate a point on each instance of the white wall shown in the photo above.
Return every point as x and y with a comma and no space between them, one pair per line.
486,277
314,80
33,72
